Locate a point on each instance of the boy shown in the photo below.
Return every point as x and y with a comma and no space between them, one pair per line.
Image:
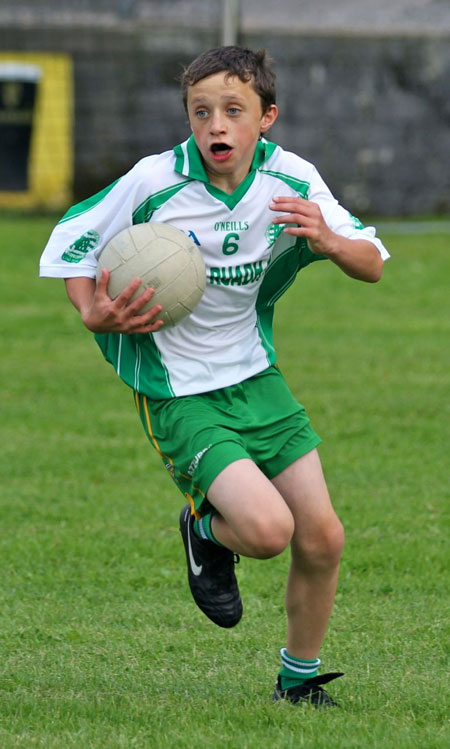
212,403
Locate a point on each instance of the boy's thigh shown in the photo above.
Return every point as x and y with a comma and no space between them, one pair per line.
303,487
242,494
318,532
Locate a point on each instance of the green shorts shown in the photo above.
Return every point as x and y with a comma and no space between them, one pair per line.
197,436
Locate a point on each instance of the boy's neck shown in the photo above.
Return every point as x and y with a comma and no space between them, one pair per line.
226,183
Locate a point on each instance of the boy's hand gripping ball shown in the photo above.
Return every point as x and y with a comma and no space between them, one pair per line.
164,258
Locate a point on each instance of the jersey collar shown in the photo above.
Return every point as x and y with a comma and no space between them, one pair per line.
188,161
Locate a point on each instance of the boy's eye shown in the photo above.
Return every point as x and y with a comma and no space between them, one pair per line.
201,113
233,110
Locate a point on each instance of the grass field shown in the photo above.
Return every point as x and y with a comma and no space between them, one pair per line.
101,644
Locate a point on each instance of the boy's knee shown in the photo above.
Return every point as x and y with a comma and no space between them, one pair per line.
335,540
267,537
323,547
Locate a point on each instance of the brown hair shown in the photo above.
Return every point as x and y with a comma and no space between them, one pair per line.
236,61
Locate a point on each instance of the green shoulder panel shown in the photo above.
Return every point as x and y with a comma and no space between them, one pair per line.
145,210
86,205
299,185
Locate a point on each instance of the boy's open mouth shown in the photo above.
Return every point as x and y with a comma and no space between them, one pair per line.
220,151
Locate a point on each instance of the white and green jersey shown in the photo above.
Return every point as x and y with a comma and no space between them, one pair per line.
249,262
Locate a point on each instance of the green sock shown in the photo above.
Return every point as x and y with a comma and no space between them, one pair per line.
202,528
295,671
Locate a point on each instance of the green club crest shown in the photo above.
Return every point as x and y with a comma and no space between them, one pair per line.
272,233
79,249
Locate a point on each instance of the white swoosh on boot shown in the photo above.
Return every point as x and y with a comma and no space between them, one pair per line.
196,569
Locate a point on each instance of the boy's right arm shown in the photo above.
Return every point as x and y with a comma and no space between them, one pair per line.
101,314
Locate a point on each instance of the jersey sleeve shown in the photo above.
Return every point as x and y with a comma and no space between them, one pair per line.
78,239
338,218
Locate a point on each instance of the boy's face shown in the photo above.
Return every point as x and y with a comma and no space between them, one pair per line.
226,118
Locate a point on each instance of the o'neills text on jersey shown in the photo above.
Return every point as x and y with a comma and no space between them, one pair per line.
231,226
237,275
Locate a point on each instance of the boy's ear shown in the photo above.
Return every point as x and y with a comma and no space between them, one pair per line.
269,118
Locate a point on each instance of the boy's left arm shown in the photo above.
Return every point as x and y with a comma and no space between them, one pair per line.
358,258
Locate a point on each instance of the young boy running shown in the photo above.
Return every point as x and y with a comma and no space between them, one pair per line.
212,401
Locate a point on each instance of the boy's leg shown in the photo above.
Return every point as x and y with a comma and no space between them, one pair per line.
258,518
253,519
316,547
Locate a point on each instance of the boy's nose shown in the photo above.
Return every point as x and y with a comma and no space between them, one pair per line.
217,123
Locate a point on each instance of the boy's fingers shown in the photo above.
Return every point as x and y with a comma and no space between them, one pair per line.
128,313
289,213
102,283
288,199
147,316
136,305
293,218
293,205
126,295
123,299
146,323
277,202
150,328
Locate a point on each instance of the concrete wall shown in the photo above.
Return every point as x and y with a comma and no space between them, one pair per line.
372,112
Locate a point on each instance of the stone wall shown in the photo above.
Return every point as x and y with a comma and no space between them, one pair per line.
372,112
